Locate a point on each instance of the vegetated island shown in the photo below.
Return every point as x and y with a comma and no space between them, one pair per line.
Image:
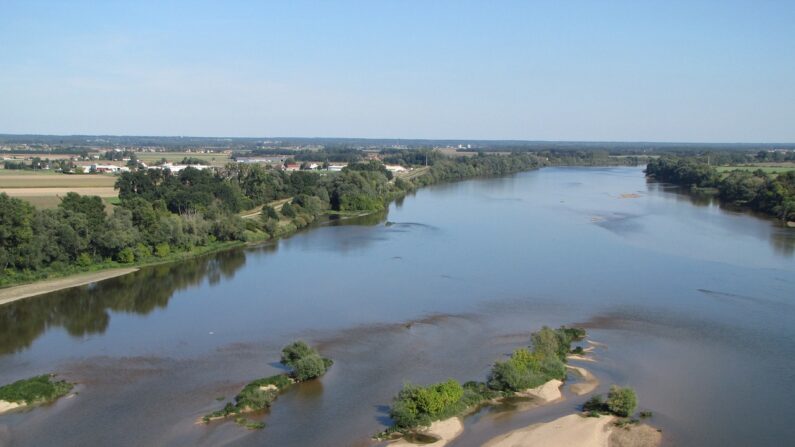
537,371
33,391
432,415
258,395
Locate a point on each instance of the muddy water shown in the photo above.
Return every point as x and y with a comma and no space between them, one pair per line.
694,302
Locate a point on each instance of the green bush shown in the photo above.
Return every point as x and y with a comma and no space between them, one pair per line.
162,250
309,367
142,251
416,406
296,351
126,256
621,401
84,260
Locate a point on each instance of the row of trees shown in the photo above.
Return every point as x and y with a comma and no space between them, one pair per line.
755,190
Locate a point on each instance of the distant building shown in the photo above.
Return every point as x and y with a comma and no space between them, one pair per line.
176,168
395,168
113,169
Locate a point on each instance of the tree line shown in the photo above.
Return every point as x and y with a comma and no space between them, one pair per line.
756,190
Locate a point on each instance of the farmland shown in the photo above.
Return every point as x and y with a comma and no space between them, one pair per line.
768,168
44,189
215,159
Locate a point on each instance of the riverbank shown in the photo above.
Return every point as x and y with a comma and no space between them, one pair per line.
55,281
14,293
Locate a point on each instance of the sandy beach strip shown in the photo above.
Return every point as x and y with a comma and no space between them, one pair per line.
445,431
14,293
569,431
8,406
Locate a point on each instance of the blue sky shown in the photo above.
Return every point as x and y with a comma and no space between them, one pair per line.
721,71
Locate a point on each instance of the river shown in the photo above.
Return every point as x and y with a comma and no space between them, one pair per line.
695,303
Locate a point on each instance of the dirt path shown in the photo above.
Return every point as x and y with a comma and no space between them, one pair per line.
14,293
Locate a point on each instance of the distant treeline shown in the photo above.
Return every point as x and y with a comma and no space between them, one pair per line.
757,190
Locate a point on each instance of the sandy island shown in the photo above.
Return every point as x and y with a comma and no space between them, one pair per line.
15,293
445,431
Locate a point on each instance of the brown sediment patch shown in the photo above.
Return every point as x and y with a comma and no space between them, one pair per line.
548,392
629,196
596,343
589,383
635,436
444,431
6,406
567,431
14,293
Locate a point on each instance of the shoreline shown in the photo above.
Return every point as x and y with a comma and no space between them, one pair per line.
22,291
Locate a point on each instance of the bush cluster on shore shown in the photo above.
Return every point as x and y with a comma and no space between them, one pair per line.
621,401
417,406
35,390
306,363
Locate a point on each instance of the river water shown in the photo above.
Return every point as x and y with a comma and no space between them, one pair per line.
695,303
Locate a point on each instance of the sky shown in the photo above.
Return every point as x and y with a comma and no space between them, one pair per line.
695,71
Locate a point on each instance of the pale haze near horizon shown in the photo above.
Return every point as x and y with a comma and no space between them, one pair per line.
597,71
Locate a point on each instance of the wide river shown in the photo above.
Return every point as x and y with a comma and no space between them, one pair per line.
695,303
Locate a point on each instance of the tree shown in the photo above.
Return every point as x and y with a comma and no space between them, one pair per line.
621,401
296,351
309,367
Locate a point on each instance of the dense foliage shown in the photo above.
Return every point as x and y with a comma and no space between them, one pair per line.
417,406
528,368
757,190
621,401
35,390
307,364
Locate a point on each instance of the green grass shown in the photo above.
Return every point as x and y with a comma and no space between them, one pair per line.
176,157
768,169
35,390
39,179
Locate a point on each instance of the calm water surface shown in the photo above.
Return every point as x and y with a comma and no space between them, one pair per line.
695,303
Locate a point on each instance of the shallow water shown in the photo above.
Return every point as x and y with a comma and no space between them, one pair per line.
694,302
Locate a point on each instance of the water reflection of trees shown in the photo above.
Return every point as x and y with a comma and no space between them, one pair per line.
781,239
86,310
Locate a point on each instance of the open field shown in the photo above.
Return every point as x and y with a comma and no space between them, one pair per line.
46,179
176,157
770,168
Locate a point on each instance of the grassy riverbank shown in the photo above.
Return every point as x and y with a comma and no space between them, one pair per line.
18,285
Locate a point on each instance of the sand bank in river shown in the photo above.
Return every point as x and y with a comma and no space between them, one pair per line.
577,430
548,392
569,431
14,293
8,406
445,431
589,383
580,358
